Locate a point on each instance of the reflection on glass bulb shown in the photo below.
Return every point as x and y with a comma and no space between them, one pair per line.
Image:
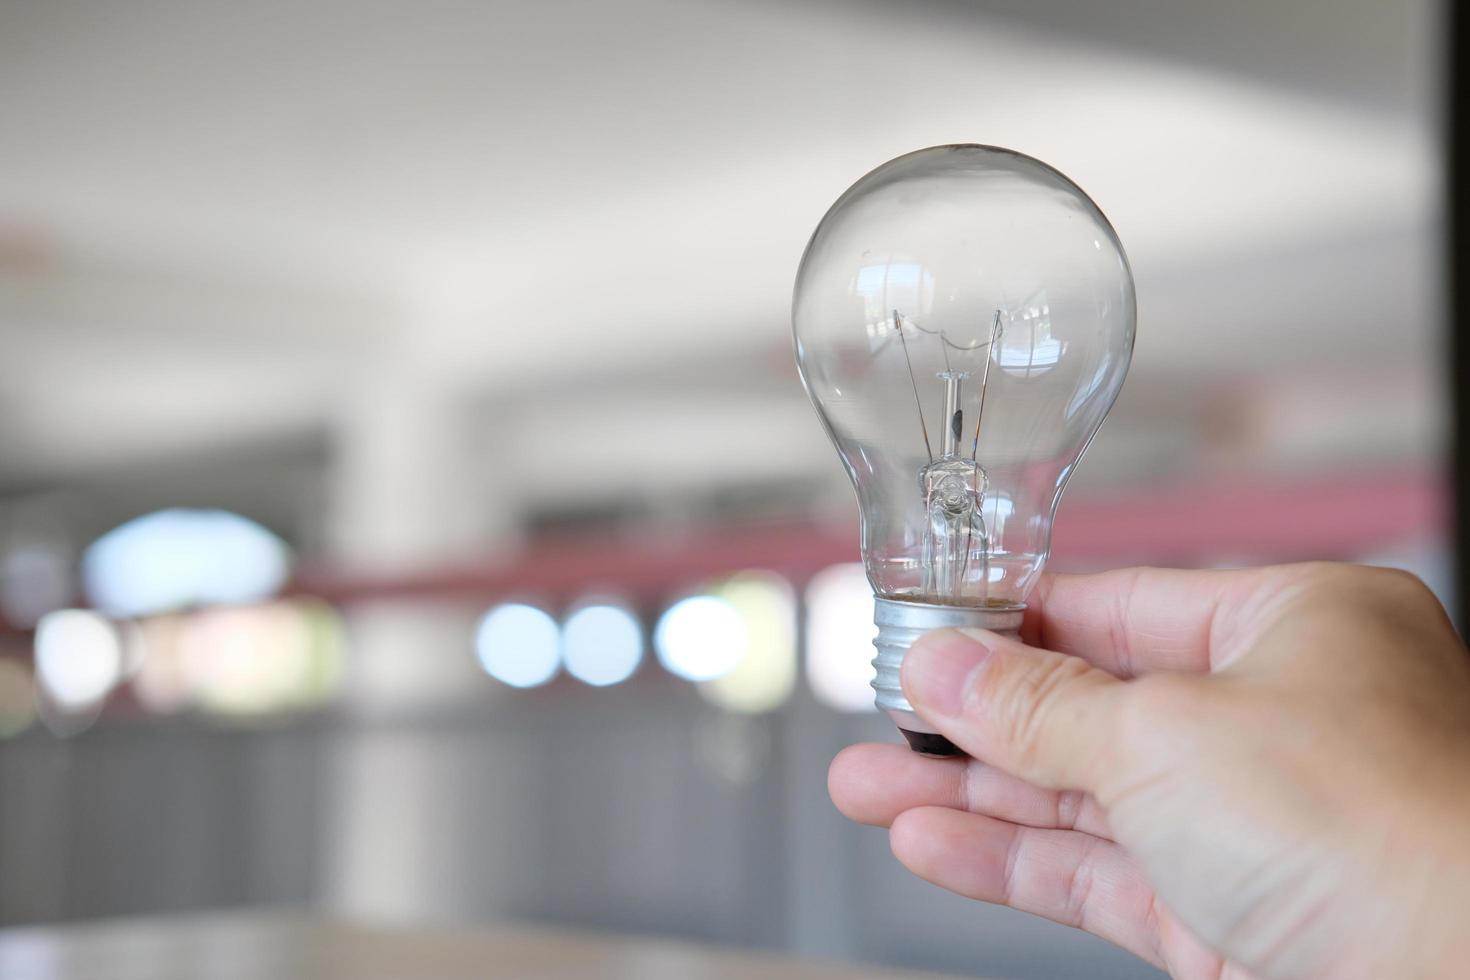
964,317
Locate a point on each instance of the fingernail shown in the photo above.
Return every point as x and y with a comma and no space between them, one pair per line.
938,669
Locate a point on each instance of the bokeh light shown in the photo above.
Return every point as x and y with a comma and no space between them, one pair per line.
765,675
839,638
17,697
240,661
602,644
518,645
249,660
700,638
327,640
133,647
78,657
176,558
162,684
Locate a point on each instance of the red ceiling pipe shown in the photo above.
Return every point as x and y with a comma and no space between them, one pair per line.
1340,517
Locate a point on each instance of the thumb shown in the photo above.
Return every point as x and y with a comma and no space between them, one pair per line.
1045,717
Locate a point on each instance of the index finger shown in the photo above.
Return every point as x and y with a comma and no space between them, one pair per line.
1140,620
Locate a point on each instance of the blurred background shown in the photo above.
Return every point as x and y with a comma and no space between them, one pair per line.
380,380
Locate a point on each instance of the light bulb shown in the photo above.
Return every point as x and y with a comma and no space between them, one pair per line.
964,317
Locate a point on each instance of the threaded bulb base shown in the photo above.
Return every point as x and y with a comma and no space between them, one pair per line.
899,624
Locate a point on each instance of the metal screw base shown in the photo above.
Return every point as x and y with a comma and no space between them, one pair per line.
899,625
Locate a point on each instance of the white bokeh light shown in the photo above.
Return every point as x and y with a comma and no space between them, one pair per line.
700,638
518,645
839,638
78,657
602,644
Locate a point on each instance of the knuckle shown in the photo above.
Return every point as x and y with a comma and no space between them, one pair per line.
1366,589
1320,578
1403,588
1069,808
1338,578
1079,891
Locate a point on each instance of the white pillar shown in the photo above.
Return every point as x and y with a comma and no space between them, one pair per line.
411,491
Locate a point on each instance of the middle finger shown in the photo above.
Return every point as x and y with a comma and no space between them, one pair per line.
874,783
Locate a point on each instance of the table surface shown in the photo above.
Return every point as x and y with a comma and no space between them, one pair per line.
285,945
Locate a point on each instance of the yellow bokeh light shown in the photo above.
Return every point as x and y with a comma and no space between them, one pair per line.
765,676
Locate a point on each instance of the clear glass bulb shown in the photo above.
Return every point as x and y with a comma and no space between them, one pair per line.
964,317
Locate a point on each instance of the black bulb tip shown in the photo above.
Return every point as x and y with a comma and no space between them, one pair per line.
927,743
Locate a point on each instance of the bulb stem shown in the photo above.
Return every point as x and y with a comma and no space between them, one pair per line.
954,417
900,624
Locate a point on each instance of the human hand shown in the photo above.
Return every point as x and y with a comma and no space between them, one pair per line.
1234,773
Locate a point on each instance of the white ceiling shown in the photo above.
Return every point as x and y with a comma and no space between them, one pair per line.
221,221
